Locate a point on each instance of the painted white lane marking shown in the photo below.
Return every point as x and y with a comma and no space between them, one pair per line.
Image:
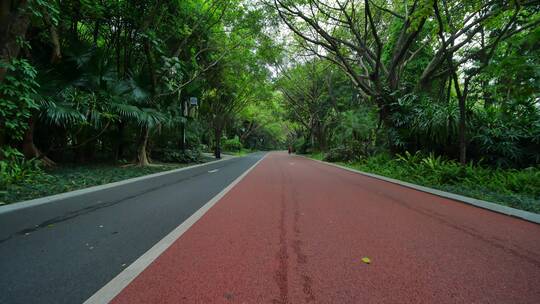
116,285
213,171
61,196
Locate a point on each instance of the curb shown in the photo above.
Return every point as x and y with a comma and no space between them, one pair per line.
524,215
56,197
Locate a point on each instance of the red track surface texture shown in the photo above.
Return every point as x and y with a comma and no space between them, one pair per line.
294,231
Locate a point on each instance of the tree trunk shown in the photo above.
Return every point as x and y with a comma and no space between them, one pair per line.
14,23
2,142
119,142
151,65
462,131
217,146
486,94
30,150
142,156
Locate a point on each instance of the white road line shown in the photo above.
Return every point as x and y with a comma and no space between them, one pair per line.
65,195
213,171
116,285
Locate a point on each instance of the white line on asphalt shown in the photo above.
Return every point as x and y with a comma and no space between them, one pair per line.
116,285
61,196
213,171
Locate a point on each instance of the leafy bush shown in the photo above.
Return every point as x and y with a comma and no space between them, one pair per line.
17,97
355,135
231,145
508,136
317,155
14,168
301,146
421,121
177,156
341,153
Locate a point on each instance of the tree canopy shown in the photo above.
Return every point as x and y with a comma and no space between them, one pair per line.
116,79
137,80
436,73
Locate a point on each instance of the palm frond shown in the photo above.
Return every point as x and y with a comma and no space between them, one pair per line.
61,114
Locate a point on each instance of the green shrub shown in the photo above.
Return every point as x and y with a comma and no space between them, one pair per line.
15,168
317,155
341,153
301,146
177,156
231,145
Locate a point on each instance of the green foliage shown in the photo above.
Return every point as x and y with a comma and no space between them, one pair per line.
177,156
421,121
262,123
317,155
508,135
17,97
231,145
14,168
44,9
400,66
355,135
300,145
341,153
108,78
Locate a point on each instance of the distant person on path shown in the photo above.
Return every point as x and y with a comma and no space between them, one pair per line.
290,149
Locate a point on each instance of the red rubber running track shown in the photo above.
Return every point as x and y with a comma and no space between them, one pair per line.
294,231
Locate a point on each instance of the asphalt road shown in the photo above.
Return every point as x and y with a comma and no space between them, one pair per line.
63,252
295,231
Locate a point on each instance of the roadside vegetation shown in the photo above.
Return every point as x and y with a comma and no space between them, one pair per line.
51,181
96,86
439,93
442,93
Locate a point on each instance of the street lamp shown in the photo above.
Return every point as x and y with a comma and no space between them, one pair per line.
193,102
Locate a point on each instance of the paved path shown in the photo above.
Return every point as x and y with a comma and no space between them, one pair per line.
294,231
63,252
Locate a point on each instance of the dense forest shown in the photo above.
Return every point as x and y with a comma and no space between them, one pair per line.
459,79
84,80
451,87
440,93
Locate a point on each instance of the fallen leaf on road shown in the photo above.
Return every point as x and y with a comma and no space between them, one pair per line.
366,260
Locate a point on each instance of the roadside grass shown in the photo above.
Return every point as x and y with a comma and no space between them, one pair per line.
510,187
317,155
73,177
